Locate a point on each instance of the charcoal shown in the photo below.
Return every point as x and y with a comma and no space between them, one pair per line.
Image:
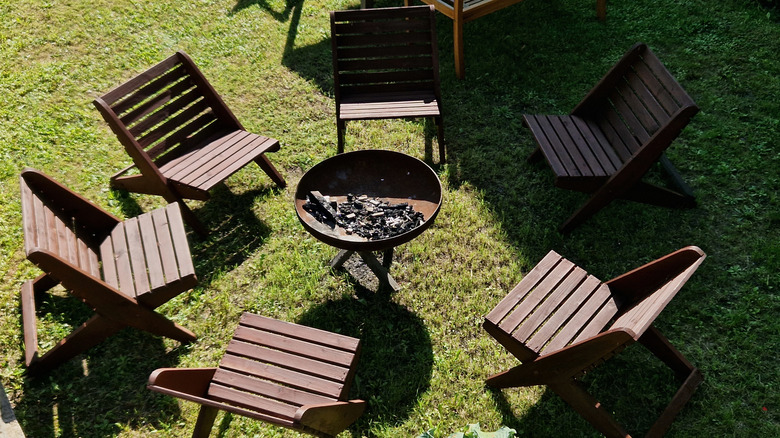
368,217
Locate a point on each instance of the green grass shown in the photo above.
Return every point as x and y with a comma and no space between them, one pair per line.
425,355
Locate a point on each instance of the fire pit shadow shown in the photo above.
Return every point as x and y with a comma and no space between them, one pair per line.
396,360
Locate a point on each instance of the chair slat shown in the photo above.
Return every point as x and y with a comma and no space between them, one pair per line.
311,334
181,122
386,51
121,256
267,406
571,329
380,40
137,257
647,98
151,251
323,353
140,112
568,284
571,306
387,26
599,321
151,86
663,75
607,158
519,292
166,106
284,376
536,296
638,110
179,238
162,229
268,389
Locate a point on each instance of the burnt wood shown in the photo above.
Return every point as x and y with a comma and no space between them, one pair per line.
562,322
182,137
386,66
463,11
282,373
613,137
123,270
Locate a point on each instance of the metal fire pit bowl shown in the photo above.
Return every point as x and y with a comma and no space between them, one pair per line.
390,176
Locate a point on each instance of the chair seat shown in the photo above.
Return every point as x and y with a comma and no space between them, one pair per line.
147,257
206,166
389,105
574,147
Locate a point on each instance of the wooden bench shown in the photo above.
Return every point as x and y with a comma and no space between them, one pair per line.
463,11
613,137
285,374
123,270
182,137
386,66
561,322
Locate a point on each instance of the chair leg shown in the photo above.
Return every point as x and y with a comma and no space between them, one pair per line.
657,343
440,134
457,36
271,171
205,422
535,156
341,126
86,336
601,9
589,408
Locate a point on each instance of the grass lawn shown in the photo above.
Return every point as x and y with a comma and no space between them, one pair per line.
425,354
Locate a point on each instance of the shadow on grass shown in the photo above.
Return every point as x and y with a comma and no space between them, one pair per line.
234,230
396,359
634,387
95,392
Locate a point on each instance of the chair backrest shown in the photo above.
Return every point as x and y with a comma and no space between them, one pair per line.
275,367
637,100
384,50
61,222
164,111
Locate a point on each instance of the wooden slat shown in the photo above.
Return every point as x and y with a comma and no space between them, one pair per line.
379,14
189,134
285,376
599,146
140,112
626,113
598,322
122,90
383,77
146,87
137,257
551,304
267,406
29,218
389,26
669,83
567,309
619,134
536,296
311,334
181,122
381,40
108,261
122,259
151,251
650,101
519,292
267,388
345,53
241,346
298,347
574,326
167,107
170,267
638,110
220,158
180,244
29,322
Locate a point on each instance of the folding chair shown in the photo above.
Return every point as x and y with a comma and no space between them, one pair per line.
285,374
386,66
182,137
561,322
123,270
613,137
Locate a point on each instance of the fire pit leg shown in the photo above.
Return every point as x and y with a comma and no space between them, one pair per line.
387,258
340,258
380,271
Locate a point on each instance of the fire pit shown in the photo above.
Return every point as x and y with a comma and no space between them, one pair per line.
385,177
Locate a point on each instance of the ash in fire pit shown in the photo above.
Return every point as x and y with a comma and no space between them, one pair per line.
368,217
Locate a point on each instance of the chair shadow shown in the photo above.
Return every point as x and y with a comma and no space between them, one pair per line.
396,360
279,16
98,389
234,231
634,403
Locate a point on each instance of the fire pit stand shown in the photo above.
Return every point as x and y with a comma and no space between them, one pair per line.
390,177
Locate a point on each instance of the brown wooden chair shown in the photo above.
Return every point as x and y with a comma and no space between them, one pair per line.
613,137
182,137
123,270
562,322
463,11
278,372
386,66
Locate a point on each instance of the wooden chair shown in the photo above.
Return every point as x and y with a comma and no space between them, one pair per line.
463,11
123,270
282,373
386,66
613,137
561,322
182,137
